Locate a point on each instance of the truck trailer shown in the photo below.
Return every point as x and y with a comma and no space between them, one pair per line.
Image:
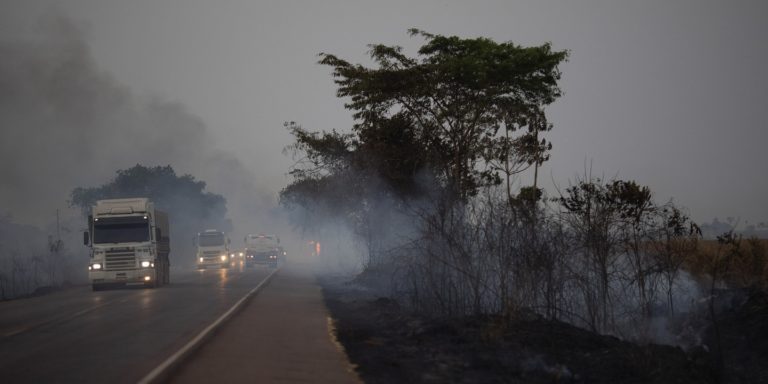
130,243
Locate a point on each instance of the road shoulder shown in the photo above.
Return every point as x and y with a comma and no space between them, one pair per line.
282,335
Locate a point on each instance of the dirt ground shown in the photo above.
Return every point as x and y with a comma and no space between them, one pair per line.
390,345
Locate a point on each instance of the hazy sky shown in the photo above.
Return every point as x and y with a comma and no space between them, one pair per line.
671,94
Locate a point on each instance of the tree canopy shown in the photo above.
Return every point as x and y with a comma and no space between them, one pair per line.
190,207
460,115
459,99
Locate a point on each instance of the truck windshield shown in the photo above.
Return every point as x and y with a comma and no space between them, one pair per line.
120,231
211,239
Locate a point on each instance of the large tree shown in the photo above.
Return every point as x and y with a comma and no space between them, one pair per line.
461,99
457,117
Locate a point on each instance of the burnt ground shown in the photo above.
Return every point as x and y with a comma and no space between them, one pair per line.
743,331
390,345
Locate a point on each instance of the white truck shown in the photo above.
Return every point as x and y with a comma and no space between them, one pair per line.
212,249
262,249
130,243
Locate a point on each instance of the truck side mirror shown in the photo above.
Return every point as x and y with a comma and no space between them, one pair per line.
86,238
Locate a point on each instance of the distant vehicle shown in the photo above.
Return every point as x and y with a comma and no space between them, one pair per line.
312,248
263,249
237,257
130,243
212,249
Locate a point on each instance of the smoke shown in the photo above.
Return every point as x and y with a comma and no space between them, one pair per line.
66,123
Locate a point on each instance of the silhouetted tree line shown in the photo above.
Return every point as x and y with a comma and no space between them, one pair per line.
425,179
190,207
31,260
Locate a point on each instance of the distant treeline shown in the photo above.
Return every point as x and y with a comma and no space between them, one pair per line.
33,260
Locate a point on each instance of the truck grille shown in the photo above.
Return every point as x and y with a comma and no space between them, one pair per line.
119,260
211,255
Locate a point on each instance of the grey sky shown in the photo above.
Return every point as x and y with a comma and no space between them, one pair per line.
668,93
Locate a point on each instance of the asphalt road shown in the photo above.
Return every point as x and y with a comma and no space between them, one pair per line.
115,336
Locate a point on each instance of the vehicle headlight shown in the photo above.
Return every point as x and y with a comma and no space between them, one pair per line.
145,264
201,259
223,257
96,266
241,254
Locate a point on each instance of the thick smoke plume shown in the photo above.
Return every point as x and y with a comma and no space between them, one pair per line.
65,123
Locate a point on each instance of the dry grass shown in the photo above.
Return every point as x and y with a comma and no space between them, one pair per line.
740,265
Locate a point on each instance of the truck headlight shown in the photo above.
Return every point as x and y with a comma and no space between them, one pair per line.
223,257
241,254
201,259
145,264
96,266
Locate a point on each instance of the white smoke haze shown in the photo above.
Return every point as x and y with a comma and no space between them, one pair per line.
399,250
65,123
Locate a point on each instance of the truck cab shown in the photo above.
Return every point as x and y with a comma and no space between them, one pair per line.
129,241
212,249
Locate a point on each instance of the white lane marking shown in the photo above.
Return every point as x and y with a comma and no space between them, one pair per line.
177,357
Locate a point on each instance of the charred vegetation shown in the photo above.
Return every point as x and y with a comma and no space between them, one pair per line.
424,184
